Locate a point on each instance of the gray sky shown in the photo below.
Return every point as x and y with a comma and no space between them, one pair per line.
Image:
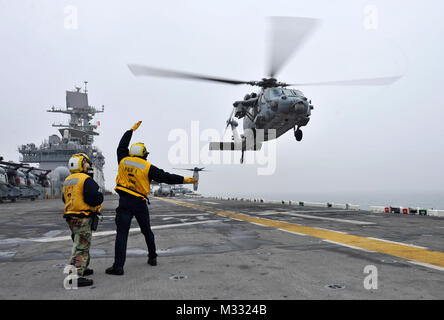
358,139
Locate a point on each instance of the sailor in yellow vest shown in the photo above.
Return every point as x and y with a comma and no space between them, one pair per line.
82,203
133,186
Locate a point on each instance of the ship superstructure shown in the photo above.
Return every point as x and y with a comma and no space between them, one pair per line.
75,137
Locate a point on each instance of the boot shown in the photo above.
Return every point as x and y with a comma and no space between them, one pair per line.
152,261
88,272
115,271
83,282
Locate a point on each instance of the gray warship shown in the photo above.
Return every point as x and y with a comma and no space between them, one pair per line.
75,137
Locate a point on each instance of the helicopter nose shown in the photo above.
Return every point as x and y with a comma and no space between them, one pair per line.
300,107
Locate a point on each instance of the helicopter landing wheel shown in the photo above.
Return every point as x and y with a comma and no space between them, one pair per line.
298,134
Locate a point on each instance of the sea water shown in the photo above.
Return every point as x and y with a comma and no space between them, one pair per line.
426,200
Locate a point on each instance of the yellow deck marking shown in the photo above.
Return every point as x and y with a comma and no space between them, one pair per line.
421,255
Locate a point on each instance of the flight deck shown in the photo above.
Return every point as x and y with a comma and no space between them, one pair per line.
215,249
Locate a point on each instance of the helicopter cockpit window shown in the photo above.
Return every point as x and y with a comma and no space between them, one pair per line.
274,93
290,93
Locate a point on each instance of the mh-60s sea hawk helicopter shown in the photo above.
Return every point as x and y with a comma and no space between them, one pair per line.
275,108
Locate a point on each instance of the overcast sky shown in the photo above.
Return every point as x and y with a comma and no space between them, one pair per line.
358,139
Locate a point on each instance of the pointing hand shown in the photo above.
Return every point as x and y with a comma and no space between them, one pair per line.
136,125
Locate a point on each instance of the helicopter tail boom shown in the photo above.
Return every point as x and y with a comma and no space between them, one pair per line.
225,146
233,146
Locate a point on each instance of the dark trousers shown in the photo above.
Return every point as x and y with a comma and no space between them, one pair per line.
129,207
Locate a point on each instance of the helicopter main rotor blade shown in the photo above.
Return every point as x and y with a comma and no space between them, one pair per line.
184,169
383,81
140,70
287,34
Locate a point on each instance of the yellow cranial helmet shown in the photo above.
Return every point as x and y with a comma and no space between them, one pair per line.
75,163
138,150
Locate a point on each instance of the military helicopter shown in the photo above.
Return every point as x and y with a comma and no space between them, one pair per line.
171,190
163,189
195,175
180,189
20,178
39,180
275,108
7,190
42,178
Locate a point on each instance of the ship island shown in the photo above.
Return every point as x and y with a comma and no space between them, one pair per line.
77,136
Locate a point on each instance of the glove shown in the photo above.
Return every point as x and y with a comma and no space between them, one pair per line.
136,125
98,209
189,180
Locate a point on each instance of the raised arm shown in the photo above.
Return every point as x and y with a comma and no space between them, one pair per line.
122,149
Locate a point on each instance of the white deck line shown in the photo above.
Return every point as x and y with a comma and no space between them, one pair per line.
431,266
404,244
331,230
348,246
178,215
328,219
293,232
110,232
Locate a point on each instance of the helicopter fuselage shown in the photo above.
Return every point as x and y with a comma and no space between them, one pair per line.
278,109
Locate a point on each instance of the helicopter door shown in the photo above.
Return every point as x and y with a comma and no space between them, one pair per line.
3,178
261,102
262,98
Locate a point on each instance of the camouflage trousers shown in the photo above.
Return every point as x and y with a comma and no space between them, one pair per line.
81,235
